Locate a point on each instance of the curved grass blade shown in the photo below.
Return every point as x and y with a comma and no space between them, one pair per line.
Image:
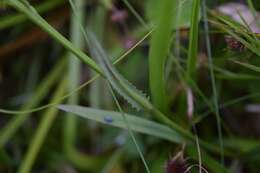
135,97
128,91
249,66
115,119
79,88
175,134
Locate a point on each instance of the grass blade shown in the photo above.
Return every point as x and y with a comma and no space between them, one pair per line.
193,41
129,128
135,97
160,44
137,124
213,81
249,66
79,88
176,135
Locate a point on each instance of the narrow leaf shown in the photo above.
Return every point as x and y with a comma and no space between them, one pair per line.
249,66
160,44
128,91
115,119
193,43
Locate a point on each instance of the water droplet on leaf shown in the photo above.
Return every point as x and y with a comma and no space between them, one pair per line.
108,119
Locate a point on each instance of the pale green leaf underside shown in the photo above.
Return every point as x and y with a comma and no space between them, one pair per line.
137,124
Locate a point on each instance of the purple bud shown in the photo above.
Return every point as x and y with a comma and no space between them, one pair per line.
176,165
128,42
234,44
118,16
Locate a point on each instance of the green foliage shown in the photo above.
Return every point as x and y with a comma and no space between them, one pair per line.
160,45
15,19
182,54
115,119
193,41
135,97
41,133
44,87
37,19
179,7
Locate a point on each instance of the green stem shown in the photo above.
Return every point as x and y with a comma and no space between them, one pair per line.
160,44
193,43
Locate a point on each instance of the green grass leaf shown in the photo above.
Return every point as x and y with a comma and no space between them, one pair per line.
160,44
115,119
175,134
128,91
181,7
193,40
135,97
249,66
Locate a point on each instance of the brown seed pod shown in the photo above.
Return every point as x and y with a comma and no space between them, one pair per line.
177,164
234,44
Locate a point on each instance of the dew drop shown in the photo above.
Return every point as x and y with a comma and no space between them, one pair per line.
108,119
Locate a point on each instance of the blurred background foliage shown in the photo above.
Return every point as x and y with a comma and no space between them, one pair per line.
36,70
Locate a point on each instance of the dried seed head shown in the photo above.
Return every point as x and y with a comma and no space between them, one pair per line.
176,164
234,44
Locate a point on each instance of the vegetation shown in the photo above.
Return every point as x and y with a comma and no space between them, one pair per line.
177,78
